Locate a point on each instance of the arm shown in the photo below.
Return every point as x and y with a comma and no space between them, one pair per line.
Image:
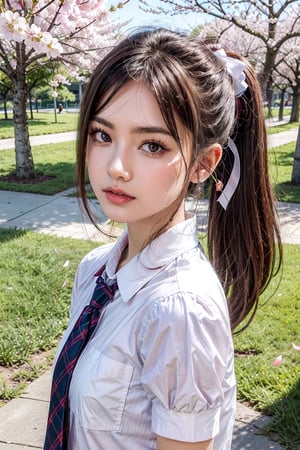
169,444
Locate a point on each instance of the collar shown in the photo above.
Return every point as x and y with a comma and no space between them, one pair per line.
154,257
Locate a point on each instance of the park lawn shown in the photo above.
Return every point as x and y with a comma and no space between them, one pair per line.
42,123
283,127
54,160
275,390
35,289
36,277
281,165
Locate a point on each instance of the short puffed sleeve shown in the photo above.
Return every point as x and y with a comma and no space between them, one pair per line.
185,347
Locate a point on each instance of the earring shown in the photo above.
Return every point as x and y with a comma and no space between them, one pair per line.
219,184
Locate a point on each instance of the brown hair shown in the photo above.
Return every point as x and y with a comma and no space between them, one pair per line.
192,85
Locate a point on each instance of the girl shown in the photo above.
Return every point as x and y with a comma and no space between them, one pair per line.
161,113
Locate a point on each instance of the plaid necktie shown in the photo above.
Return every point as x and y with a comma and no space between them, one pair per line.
56,435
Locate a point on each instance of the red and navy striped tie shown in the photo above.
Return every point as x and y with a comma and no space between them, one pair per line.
56,434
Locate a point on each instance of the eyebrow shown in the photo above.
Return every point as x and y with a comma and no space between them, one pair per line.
136,130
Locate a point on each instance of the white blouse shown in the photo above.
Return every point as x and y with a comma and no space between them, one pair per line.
161,359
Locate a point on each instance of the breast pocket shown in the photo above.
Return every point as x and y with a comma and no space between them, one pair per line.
103,394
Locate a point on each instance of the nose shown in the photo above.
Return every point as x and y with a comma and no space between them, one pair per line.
118,167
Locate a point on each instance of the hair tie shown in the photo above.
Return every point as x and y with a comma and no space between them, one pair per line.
234,178
235,68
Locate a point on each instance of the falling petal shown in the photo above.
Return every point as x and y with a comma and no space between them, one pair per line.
57,250
66,263
296,347
277,361
64,284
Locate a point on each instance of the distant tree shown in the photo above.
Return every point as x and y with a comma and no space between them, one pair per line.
296,165
273,22
37,78
35,32
287,72
5,92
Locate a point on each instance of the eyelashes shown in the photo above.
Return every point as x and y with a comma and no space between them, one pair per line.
151,147
99,135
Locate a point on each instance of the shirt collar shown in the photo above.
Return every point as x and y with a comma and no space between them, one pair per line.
144,266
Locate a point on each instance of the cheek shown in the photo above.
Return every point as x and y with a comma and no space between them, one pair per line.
94,161
168,177
176,171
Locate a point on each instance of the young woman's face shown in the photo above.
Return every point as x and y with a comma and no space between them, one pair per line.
135,166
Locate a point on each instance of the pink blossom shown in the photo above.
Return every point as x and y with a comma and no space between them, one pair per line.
277,361
13,26
296,347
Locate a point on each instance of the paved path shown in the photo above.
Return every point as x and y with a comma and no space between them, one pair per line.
40,140
60,215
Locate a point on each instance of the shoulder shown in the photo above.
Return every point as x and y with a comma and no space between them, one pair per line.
186,298
189,283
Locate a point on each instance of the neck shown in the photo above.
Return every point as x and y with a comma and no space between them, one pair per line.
141,234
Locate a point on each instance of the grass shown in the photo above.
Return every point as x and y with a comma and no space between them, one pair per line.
54,160
274,390
35,290
283,127
42,123
281,163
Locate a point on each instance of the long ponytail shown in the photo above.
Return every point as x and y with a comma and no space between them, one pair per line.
244,241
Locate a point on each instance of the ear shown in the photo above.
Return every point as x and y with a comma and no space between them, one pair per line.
206,164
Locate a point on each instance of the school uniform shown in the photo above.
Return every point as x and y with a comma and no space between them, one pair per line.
161,359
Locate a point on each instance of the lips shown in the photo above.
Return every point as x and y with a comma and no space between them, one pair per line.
117,196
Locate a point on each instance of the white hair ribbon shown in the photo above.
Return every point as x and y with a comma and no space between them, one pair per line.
234,178
235,68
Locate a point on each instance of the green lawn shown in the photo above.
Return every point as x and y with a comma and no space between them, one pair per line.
42,123
36,277
54,160
281,165
274,390
283,127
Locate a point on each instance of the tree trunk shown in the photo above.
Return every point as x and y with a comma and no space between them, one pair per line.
296,165
295,104
268,68
30,107
24,159
5,109
281,106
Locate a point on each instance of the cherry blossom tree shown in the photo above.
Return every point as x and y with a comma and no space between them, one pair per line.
287,72
33,32
5,92
273,22
286,66
231,37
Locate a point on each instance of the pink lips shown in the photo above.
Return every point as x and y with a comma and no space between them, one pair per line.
117,196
